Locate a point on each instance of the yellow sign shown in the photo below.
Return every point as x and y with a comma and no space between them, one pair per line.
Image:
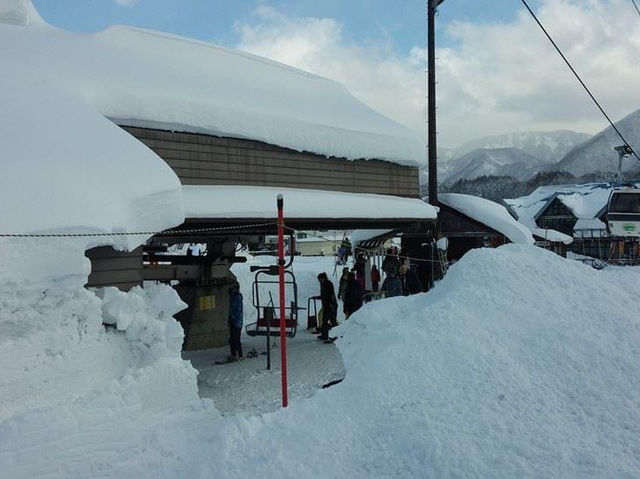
207,302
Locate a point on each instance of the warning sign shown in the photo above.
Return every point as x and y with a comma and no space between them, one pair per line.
207,303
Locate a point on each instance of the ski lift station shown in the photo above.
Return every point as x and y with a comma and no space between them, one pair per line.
190,143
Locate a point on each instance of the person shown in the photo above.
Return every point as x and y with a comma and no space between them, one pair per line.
352,296
392,286
412,281
235,323
329,306
375,277
343,283
359,268
346,245
390,264
340,255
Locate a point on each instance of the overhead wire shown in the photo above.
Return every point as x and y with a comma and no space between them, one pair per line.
372,251
136,233
636,5
615,128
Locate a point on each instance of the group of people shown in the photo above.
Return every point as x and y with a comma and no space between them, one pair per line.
400,280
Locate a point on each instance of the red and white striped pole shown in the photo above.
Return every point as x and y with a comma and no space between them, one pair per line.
283,336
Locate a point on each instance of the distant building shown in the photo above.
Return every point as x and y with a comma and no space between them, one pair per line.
576,211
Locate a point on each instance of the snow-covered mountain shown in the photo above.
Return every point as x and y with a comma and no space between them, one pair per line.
520,154
497,162
597,154
548,146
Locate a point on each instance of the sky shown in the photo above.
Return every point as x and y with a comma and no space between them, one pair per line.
497,73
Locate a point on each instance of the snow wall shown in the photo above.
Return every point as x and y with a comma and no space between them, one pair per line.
518,364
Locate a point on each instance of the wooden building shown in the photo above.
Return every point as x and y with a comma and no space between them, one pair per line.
230,124
577,211
465,233
206,160
200,159
470,222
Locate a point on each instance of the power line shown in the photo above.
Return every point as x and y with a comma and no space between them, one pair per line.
136,233
636,5
580,79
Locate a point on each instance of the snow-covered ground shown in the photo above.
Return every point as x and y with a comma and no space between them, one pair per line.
247,386
518,364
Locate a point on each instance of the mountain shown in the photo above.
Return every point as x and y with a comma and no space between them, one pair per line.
495,162
548,146
597,154
528,152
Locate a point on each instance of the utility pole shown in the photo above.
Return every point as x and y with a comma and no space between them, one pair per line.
432,6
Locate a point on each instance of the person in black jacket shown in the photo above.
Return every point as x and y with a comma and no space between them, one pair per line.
329,306
352,296
411,282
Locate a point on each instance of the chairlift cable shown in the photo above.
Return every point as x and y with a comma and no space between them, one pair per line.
580,79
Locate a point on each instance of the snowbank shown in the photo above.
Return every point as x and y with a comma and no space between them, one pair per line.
498,372
489,213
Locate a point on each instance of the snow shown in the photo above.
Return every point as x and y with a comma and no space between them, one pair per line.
518,364
20,12
311,364
359,236
69,169
587,228
152,79
552,235
489,213
491,374
584,201
260,202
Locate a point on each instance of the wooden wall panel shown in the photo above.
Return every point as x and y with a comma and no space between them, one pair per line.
209,160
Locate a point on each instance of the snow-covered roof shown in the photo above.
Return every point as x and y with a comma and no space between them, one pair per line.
65,167
260,202
359,236
68,168
589,224
489,213
552,235
150,79
584,201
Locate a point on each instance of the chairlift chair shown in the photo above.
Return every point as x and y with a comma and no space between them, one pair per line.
268,322
623,212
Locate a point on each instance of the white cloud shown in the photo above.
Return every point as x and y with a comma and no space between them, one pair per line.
126,3
500,78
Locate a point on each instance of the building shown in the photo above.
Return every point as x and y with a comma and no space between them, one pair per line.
188,142
578,212
470,222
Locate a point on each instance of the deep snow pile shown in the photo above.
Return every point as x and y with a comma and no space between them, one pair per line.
81,394
519,364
